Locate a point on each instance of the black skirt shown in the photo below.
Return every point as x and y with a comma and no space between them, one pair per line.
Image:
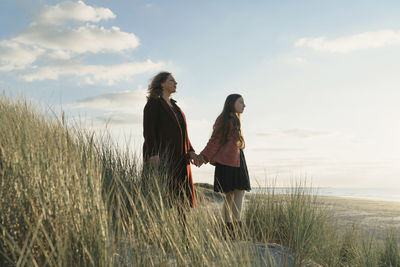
227,178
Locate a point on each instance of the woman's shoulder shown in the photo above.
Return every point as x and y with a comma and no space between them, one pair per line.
152,102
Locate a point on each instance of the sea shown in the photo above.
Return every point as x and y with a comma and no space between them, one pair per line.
386,194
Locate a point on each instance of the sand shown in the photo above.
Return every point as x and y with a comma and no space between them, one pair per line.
369,216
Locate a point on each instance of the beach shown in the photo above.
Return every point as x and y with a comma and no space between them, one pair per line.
369,216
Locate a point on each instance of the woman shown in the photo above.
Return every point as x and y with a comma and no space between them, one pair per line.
225,151
166,138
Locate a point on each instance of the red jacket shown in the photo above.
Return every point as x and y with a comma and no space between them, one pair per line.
228,154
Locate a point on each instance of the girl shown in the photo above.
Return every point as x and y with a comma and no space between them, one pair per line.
224,150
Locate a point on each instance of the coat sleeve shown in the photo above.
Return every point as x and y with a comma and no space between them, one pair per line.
213,144
191,149
150,129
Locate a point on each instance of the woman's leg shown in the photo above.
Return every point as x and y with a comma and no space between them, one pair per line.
227,206
237,205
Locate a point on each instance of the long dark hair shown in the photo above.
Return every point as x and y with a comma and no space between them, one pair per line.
230,122
155,90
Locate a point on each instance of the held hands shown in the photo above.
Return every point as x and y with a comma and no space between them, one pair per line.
197,160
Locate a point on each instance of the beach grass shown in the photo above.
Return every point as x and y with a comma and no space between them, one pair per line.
70,197
293,220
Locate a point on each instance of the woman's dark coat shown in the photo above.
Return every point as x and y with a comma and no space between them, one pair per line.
164,136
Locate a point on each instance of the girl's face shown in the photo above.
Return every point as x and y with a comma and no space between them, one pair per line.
239,105
169,86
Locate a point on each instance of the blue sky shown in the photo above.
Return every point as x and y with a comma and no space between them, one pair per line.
319,78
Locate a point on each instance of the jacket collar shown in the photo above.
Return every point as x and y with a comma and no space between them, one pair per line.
169,110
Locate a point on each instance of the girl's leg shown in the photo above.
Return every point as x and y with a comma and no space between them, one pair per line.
237,205
227,206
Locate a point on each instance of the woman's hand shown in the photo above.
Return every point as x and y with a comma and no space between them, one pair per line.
199,160
154,161
192,157
195,159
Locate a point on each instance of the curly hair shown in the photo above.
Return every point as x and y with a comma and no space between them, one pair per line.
230,122
155,89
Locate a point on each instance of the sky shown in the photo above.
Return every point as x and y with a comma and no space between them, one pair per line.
319,78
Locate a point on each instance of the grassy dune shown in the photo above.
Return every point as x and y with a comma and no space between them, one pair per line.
70,198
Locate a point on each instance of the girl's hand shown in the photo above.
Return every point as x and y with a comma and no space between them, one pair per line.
200,160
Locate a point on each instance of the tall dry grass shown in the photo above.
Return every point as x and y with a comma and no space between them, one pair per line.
295,219
70,197
51,204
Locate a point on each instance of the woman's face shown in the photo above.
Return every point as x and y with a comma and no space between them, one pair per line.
239,105
169,86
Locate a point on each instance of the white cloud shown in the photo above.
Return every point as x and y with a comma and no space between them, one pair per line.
88,38
299,133
306,133
113,100
123,108
61,45
351,43
120,118
15,56
277,149
94,73
73,11
60,55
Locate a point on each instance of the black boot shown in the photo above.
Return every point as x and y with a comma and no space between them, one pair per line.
239,230
229,230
